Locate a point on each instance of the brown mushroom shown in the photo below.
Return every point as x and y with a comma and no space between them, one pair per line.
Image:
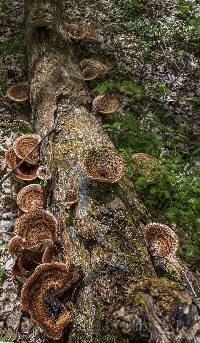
36,226
81,30
43,173
90,73
70,197
92,63
161,240
25,171
103,164
24,144
31,197
42,293
106,104
18,92
148,164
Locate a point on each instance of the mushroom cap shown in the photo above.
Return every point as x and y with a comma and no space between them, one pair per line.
90,73
77,30
43,173
91,62
18,92
103,164
15,245
27,260
35,227
106,104
40,296
161,240
25,171
31,197
70,197
24,144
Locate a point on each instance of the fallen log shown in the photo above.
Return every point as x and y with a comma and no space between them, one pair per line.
120,298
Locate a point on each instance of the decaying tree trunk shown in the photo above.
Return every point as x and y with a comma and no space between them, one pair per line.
120,298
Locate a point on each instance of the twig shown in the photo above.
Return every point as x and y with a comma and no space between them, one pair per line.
30,152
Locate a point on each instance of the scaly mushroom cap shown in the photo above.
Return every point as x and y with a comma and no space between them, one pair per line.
104,164
90,73
18,92
92,63
31,197
148,164
36,226
24,144
3,165
106,104
70,197
43,173
77,30
15,245
161,240
41,296
26,262
25,170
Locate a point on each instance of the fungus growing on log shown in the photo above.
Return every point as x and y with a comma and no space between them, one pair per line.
24,144
15,245
106,104
70,197
18,92
42,293
43,173
25,171
36,226
92,63
90,73
104,164
81,30
161,240
31,197
148,164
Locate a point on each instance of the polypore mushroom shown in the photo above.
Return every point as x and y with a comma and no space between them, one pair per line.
25,171
105,104
81,30
104,164
43,173
41,296
92,63
31,197
90,73
36,226
24,144
148,163
161,240
70,197
18,92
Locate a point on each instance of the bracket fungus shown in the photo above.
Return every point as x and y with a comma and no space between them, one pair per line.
24,144
90,73
103,164
25,171
43,173
42,296
161,240
31,197
35,227
18,92
81,30
147,163
70,197
88,64
106,104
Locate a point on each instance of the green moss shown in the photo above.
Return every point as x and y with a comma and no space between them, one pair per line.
12,46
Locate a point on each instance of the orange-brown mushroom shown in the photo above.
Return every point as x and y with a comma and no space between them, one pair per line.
35,227
31,197
90,73
92,63
18,92
41,296
25,171
43,173
161,240
148,164
81,30
103,164
24,144
106,104
70,197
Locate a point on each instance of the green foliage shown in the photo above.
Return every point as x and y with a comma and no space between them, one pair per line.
8,338
12,46
104,87
2,275
129,86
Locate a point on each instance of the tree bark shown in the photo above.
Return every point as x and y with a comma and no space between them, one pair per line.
121,299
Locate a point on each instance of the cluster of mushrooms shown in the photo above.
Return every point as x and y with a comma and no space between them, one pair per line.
36,253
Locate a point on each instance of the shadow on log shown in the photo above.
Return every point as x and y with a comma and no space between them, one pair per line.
121,298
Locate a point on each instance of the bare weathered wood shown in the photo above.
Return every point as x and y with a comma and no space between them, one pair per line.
120,299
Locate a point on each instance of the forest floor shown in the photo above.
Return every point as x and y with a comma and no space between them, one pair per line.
152,49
